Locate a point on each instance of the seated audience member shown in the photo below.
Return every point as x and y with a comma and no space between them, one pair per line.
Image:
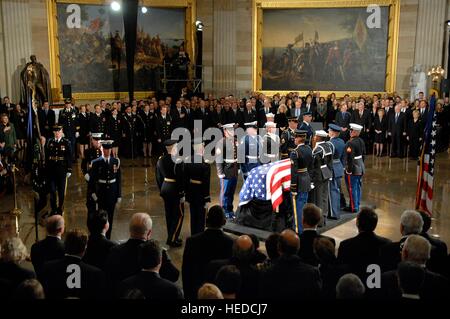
416,249
411,223
228,280
410,280
202,248
243,250
123,260
98,246
363,249
133,294
310,220
30,289
258,256
437,262
56,274
209,291
13,253
50,248
147,280
290,278
350,287
330,269
272,252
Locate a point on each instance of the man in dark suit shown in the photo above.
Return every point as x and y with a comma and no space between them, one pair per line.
234,115
243,250
202,114
261,115
397,131
297,109
123,260
311,219
363,249
98,246
362,117
179,116
148,280
343,120
50,248
7,107
307,106
249,114
290,278
438,256
46,120
423,109
70,276
202,248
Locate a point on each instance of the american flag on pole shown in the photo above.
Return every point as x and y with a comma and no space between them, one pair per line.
267,182
425,167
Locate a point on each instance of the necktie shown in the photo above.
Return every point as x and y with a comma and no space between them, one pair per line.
396,117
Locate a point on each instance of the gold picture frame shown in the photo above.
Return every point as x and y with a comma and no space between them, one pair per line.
55,71
392,47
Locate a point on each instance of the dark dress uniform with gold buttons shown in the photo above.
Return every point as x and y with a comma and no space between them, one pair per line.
114,129
169,177
97,123
68,119
163,126
287,143
129,138
197,174
59,163
105,183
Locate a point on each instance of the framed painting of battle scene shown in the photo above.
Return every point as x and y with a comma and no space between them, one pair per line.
89,53
329,46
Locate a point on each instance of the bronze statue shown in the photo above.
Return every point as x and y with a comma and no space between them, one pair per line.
35,83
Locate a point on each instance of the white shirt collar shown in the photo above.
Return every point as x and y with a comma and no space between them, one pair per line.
411,296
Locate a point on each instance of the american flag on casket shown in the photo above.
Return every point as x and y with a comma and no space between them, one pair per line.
267,182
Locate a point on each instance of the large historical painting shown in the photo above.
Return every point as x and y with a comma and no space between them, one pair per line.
323,49
92,57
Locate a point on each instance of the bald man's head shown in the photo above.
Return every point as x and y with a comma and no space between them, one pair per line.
55,225
289,242
243,248
141,226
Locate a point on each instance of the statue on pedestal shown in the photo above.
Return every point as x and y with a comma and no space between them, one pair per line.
34,83
417,82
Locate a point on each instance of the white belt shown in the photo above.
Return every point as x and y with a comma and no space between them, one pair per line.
270,155
103,181
252,157
230,161
358,157
323,166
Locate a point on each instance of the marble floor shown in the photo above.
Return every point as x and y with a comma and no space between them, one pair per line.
389,184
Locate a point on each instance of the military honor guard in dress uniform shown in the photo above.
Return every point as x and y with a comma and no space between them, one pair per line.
250,148
338,171
227,168
287,140
59,165
129,121
321,172
306,126
105,182
169,177
113,131
301,161
197,175
163,126
68,119
97,120
271,142
354,166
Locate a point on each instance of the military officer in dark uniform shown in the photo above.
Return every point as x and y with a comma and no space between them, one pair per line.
306,126
301,161
163,126
271,142
197,175
97,120
338,171
114,131
169,177
287,140
59,165
355,151
227,168
321,172
68,120
90,155
105,182
129,142
250,149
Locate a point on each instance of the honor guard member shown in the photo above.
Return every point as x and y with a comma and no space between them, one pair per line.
227,168
169,177
68,120
249,149
287,142
306,126
301,161
338,171
90,155
59,165
97,120
129,121
354,166
321,172
105,182
163,126
271,142
197,175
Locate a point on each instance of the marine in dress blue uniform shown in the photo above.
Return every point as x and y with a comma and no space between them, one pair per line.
105,182
249,149
306,126
227,168
301,160
354,166
338,171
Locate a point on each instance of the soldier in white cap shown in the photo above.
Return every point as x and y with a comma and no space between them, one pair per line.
355,151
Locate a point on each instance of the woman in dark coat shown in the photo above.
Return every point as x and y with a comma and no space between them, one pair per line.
281,118
83,122
380,127
415,132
